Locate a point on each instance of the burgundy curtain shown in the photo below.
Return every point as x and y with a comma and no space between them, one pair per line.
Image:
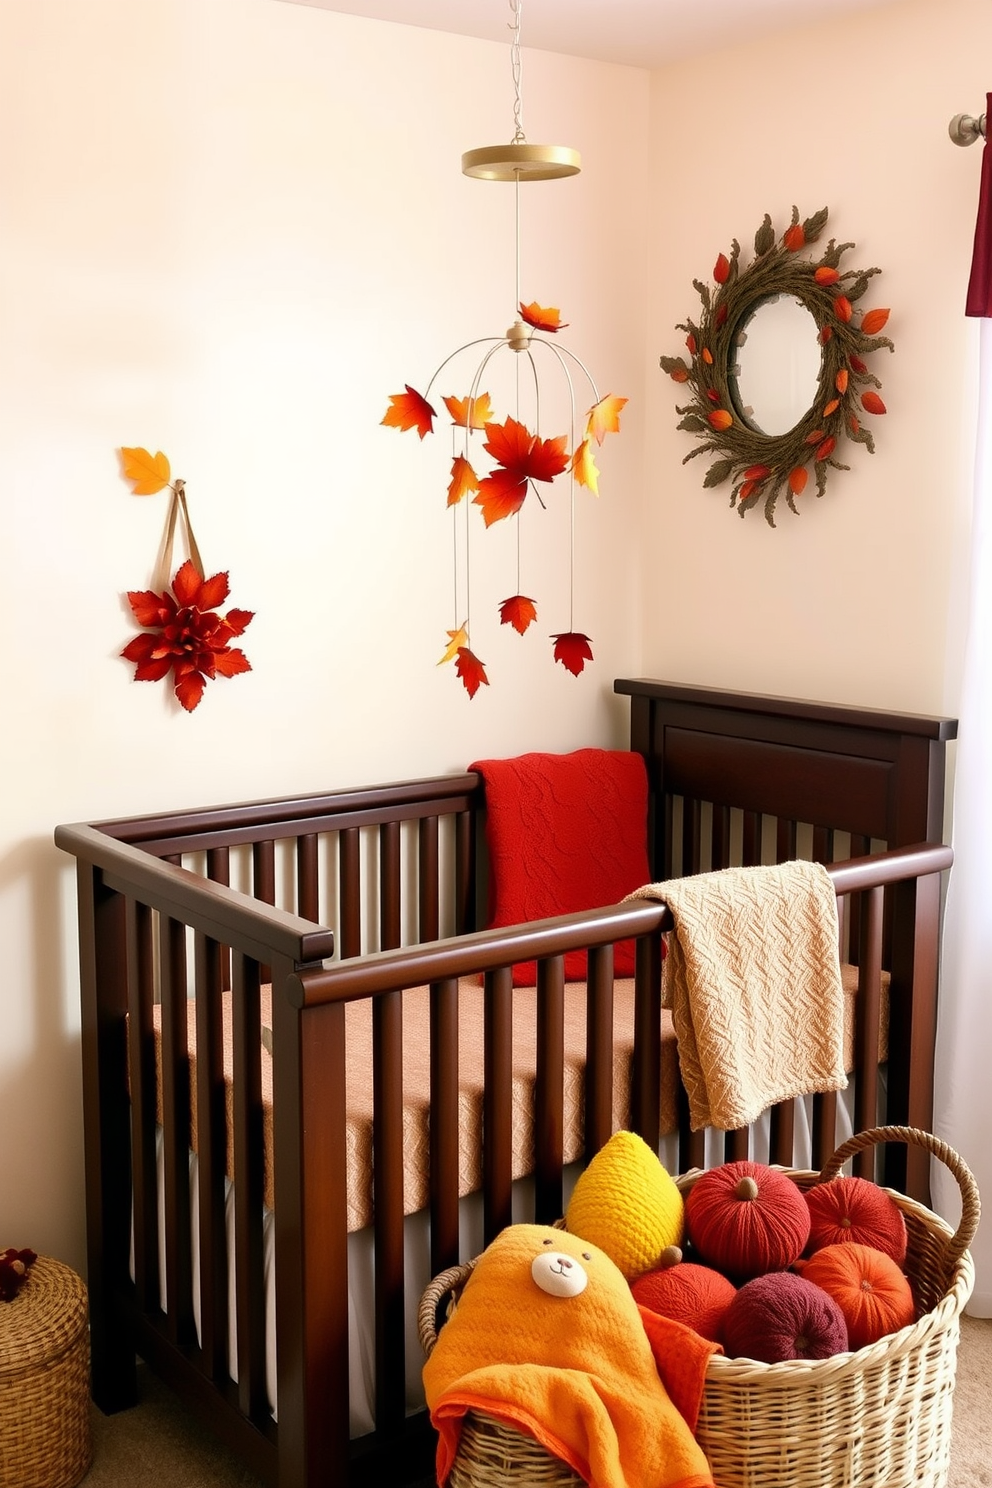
979,300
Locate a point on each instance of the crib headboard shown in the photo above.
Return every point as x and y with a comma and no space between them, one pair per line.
878,777
740,778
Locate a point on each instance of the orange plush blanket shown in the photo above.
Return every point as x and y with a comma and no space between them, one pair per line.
570,1362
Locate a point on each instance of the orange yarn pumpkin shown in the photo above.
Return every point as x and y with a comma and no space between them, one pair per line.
691,1294
855,1210
747,1219
868,1287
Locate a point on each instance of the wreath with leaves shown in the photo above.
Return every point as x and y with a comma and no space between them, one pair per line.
763,467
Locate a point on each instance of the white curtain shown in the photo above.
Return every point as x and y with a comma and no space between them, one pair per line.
963,1073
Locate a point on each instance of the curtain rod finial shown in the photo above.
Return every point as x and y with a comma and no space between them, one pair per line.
964,129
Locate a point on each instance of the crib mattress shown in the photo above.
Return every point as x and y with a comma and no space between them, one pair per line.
416,1082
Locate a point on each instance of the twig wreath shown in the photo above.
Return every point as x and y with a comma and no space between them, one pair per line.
761,467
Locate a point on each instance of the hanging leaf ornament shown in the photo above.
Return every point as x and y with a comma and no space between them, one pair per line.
183,632
761,467
498,463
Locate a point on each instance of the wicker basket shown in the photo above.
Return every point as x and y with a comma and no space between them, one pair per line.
44,1381
880,1416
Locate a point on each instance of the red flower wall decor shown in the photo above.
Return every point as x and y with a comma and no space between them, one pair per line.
183,632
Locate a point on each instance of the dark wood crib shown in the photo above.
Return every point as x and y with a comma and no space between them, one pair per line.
352,898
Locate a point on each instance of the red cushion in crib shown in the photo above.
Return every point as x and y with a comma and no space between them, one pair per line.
566,832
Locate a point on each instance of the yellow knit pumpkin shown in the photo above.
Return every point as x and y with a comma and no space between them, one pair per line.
627,1203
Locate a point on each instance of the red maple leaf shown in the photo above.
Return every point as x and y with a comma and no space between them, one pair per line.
520,456
518,611
471,671
409,411
184,634
573,650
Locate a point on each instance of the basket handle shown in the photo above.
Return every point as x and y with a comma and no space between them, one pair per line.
971,1207
446,1281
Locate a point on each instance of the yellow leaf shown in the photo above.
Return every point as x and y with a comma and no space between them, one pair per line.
584,467
604,417
456,640
470,413
150,473
463,478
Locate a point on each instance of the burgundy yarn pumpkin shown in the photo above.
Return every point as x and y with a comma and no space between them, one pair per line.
783,1316
747,1219
868,1287
855,1210
688,1293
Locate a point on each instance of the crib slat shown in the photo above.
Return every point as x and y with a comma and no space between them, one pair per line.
782,1133
142,1074
785,840
176,1133
444,1123
645,1099
750,839
349,876
249,1183
387,1144
211,1122
735,1144
307,877
428,863
389,886
464,872
497,1102
549,1093
720,838
867,1013
219,871
599,1050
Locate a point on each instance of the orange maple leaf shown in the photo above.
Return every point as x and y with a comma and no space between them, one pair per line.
573,650
542,318
410,411
470,413
150,473
584,467
604,417
518,611
520,457
470,670
463,479
456,640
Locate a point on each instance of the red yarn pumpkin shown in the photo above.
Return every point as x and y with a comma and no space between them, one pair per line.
746,1219
783,1316
868,1287
695,1295
855,1210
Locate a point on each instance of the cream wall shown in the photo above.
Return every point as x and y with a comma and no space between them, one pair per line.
230,228
858,599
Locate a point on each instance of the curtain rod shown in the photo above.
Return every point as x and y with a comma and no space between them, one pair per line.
964,129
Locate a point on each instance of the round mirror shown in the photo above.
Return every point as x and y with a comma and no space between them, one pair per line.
777,370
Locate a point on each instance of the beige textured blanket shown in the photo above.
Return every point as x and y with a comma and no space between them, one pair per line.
753,981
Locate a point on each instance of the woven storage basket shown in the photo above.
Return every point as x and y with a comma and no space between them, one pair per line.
45,1381
876,1418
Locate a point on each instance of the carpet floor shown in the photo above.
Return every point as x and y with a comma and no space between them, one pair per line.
158,1445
